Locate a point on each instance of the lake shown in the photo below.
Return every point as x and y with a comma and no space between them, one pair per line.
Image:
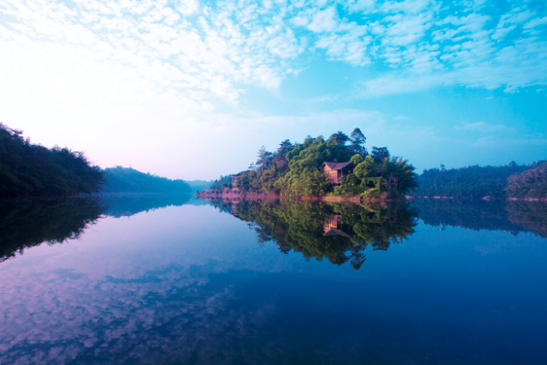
160,279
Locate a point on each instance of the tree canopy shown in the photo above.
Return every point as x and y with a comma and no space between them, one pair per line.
28,169
295,169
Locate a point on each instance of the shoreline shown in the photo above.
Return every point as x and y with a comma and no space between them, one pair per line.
236,195
484,198
231,195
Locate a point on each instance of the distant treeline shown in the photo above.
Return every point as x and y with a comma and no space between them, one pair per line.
128,180
476,182
28,169
197,185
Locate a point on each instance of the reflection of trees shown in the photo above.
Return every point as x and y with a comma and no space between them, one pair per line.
26,223
511,216
339,232
125,205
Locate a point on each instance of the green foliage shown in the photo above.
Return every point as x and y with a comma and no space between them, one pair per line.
220,184
475,182
367,168
356,159
403,171
122,179
28,169
295,170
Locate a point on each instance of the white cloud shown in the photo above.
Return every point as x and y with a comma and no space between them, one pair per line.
323,21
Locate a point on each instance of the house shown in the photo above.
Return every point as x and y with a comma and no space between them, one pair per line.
334,171
333,227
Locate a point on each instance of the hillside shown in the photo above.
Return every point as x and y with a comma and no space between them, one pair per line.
28,169
127,180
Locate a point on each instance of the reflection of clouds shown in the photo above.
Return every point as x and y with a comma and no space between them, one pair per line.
153,328
124,294
69,317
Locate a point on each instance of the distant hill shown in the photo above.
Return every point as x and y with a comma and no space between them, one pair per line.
28,169
127,180
198,185
476,182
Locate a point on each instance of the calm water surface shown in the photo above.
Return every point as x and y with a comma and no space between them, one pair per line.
175,280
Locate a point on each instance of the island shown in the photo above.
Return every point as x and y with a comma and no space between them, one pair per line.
334,169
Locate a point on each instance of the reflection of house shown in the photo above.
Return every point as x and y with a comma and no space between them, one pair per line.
334,171
333,226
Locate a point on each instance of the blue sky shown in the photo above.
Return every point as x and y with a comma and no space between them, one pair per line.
190,89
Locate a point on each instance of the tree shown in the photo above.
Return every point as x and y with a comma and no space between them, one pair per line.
340,138
284,148
358,140
280,160
379,153
357,159
265,158
366,169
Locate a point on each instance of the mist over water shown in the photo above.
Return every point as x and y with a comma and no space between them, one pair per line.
159,279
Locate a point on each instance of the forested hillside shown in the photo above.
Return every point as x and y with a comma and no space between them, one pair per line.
476,182
128,180
28,169
531,183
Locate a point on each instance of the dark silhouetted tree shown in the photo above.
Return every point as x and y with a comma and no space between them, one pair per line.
357,143
340,138
265,158
379,153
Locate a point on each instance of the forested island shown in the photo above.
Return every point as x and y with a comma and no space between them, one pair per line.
339,166
511,181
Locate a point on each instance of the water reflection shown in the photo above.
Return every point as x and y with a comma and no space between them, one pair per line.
338,232
126,205
190,286
511,216
25,223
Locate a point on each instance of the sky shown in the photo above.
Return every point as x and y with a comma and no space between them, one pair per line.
193,89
